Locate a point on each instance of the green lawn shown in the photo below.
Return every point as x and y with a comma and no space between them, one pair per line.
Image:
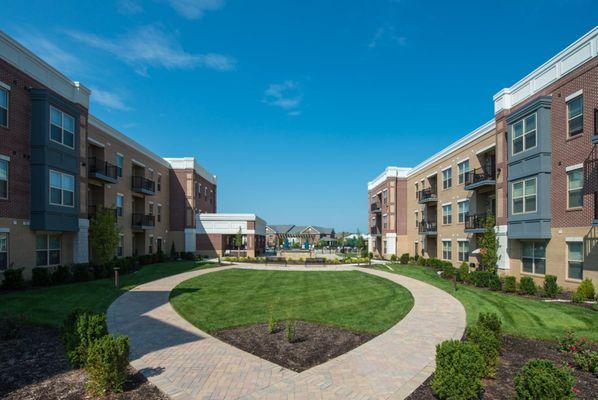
50,306
352,300
520,316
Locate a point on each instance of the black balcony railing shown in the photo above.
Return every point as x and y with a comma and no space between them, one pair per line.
427,194
375,208
375,230
143,185
101,169
475,221
143,221
596,206
427,226
480,175
92,210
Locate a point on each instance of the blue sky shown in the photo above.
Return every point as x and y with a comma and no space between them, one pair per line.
295,105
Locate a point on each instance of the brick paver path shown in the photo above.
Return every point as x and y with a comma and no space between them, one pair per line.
187,363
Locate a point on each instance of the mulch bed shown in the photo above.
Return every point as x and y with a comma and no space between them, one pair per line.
313,345
514,354
35,366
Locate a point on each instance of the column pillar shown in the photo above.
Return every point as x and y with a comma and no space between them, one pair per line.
81,243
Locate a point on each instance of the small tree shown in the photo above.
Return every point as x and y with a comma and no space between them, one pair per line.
360,243
489,245
104,235
238,241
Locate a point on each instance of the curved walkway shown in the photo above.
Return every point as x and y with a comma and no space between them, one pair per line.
187,363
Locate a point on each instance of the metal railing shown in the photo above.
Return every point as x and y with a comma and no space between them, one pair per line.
92,210
375,208
375,230
479,175
475,221
427,226
143,185
143,220
99,166
426,194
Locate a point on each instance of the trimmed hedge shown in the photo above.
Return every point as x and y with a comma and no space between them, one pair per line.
492,322
106,364
527,286
404,258
587,360
586,289
489,345
510,284
551,289
459,370
13,279
541,379
41,276
80,330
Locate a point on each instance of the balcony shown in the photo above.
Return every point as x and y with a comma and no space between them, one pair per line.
595,221
143,221
143,185
427,228
426,196
101,170
475,223
375,208
480,177
93,210
595,136
375,230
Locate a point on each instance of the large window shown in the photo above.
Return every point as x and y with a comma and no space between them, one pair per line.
120,200
159,184
524,196
575,260
524,134
3,107
447,250
533,257
62,128
575,188
447,178
463,170
47,250
463,210
3,179
384,196
120,159
575,116
463,250
417,219
62,189
121,245
151,244
385,221
447,214
159,212
3,251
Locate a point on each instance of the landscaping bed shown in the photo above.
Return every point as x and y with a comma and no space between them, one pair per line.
313,343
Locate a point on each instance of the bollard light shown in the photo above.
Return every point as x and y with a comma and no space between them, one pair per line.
116,277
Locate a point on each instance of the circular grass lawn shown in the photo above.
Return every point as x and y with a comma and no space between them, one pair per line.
348,299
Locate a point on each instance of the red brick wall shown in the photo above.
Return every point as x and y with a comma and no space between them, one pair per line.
401,207
178,200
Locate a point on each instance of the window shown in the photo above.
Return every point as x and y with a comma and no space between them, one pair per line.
159,212
416,190
121,246
463,250
47,250
150,174
3,251
151,208
447,214
205,191
447,178
120,199
3,107
62,128
447,250
524,134
463,171
120,159
385,221
524,196
159,182
198,189
3,179
62,189
463,210
385,196
151,245
575,188
417,219
575,116
533,257
575,260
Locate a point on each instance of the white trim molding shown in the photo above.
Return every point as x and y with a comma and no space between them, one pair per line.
574,95
95,142
573,167
485,149
4,86
191,163
389,172
574,239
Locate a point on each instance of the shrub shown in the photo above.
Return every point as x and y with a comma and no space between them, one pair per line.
106,364
551,289
271,321
569,342
489,345
510,284
393,258
459,370
587,361
492,322
463,273
541,379
81,272
482,278
41,276
405,258
494,282
578,297
586,288
527,286
80,330
62,274
13,279
448,272
290,330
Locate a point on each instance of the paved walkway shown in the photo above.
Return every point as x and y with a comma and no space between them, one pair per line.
187,363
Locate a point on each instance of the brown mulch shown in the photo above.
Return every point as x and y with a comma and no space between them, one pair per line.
35,366
514,354
313,345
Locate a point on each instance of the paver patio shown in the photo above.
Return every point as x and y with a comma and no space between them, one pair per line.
187,363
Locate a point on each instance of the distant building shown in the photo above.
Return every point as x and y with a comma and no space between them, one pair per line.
277,234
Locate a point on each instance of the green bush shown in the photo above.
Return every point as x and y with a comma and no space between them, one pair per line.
527,286
510,284
578,297
81,272
541,379
106,364
41,276
463,273
290,330
489,345
551,289
482,278
13,279
587,361
62,274
448,272
459,370
393,258
492,322
494,283
405,258
80,330
586,288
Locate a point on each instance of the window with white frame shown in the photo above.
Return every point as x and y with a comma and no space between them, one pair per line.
62,189
120,203
384,196
151,208
524,196
120,160
121,245
385,221
62,128
4,107
463,210
447,250
159,212
47,250
150,174
447,178
463,250
3,251
447,214
524,134
463,170
416,190
159,182
575,116
3,179
417,219
575,188
533,257
198,189
575,260
151,244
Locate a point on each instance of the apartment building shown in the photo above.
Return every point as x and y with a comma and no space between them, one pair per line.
533,166
216,234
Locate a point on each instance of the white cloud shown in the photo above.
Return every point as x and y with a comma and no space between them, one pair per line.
194,9
108,99
386,35
150,46
48,51
284,95
129,7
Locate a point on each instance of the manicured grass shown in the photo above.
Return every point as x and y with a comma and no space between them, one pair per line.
520,316
352,300
51,305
